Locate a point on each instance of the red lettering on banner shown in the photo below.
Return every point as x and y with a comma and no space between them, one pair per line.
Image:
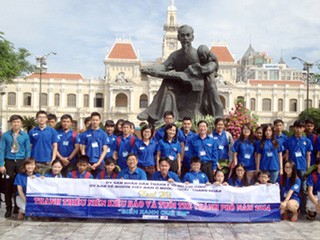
207,207
135,204
265,207
117,203
185,205
244,207
167,205
47,201
227,207
97,202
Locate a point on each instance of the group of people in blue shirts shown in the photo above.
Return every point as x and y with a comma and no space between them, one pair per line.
265,156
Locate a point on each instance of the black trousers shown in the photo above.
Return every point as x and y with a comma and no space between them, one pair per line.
206,167
13,167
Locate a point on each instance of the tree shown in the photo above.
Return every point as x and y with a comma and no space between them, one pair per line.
13,63
28,123
314,114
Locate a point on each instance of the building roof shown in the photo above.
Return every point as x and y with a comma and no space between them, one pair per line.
278,82
222,53
67,76
249,52
122,50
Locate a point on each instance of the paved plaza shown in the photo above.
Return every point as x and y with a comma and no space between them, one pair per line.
117,229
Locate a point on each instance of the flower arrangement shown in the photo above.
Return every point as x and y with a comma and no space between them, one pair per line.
238,116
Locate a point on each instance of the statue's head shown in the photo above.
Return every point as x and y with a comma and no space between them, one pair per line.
203,53
185,35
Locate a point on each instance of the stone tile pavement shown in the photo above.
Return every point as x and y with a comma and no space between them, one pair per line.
117,229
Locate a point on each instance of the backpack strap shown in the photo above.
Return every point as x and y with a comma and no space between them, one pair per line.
315,138
87,175
118,141
74,174
74,136
132,141
315,178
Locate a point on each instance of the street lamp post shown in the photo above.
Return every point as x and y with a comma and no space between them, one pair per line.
306,67
42,64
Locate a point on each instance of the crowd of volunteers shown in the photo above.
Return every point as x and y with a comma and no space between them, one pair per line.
114,151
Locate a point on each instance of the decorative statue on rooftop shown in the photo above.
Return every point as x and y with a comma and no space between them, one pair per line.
189,85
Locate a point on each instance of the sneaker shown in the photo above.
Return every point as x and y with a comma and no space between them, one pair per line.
311,215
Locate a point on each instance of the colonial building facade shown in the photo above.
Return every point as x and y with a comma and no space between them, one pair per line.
269,90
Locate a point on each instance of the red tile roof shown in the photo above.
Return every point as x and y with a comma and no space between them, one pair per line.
67,76
278,82
222,53
122,51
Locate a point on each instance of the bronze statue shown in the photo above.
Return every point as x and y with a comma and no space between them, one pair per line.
188,87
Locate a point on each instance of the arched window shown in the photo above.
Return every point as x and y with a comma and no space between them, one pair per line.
56,99
85,100
121,100
44,99
293,105
11,99
71,100
27,99
305,104
143,101
280,105
98,100
252,104
266,104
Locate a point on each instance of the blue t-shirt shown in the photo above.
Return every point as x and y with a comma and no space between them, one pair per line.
76,174
269,156
124,147
298,148
42,141
295,188
50,175
104,175
187,153
158,177
169,150
206,149
94,140
67,141
160,134
245,151
237,183
315,140
138,174
310,182
193,177
145,153
111,145
223,144
21,179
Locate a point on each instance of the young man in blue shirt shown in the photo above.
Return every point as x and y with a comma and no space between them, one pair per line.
44,142
132,171
188,135
68,145
206,148
94,144
314,139
124,145
81,171
14,148
164,174
281,138
195,176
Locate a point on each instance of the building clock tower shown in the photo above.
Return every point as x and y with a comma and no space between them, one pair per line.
170,39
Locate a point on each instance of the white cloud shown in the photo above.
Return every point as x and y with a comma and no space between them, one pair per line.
82,31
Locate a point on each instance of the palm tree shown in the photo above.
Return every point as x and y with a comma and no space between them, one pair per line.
28,123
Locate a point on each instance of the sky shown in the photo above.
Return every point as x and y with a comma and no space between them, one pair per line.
82,32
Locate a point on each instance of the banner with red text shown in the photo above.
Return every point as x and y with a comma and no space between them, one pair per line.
132,199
